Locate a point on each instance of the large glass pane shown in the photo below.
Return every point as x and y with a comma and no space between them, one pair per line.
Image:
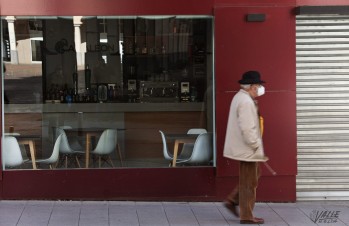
100,92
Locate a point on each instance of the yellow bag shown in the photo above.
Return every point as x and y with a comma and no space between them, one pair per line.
261,124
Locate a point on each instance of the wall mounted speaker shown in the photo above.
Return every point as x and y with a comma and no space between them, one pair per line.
255,17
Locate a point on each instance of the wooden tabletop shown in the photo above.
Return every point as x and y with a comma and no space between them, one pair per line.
176,136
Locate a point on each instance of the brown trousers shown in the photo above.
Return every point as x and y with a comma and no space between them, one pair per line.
245,193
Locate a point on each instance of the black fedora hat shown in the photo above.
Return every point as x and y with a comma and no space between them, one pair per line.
251,77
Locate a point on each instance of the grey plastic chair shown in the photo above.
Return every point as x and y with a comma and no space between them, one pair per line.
53,159
202,151
65,149
107,143
167,155
187,149
197,131
11,152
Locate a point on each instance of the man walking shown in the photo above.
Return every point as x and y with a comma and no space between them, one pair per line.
243,142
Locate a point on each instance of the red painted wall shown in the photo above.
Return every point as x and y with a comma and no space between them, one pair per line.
105,7
240,46
268,47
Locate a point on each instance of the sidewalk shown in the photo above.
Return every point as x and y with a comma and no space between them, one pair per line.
105,213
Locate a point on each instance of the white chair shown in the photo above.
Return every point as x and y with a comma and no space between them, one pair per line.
167,155
202,151
53,159
188,148
73,141
65,149
11,152
107,143
197,131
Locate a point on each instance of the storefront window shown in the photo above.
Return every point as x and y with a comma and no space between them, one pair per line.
102,92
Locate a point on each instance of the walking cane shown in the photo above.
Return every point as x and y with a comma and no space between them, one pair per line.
261,124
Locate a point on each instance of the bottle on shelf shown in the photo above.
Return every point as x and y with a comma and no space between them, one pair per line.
87,77
115,91
75,80
61,95
111,93
68,98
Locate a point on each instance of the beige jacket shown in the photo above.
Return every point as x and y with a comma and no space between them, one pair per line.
243,139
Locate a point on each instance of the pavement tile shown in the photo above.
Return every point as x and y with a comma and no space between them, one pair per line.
208,214
94,213
151,213
65,213
36,213
316,208
270,217
343,213
228,216
123,214
180,214
291,214
10,212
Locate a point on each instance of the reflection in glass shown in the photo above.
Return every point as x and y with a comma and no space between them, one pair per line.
84,75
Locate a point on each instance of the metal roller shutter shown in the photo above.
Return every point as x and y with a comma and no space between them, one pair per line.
322,107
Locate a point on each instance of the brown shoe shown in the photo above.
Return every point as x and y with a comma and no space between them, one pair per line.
255,220
232,206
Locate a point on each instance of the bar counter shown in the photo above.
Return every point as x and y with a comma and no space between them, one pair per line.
103,107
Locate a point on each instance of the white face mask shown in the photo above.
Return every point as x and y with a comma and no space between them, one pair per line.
260,91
